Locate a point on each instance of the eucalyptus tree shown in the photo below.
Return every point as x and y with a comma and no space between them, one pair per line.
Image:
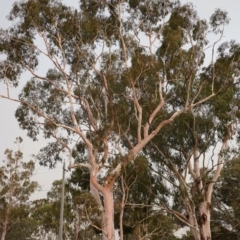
226,198
16,188
225,202
119,74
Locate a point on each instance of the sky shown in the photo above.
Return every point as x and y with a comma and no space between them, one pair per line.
9,128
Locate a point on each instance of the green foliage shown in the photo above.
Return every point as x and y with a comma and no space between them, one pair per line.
103,93
24,225
226,198
73,37
142,190
219,19
80,212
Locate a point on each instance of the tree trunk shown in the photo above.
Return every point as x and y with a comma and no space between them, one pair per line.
201,231
76,225
204,220
192,219
108,215
8,210
122,209
5,224
195,231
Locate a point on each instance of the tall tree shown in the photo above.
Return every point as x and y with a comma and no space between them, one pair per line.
16,188
120,74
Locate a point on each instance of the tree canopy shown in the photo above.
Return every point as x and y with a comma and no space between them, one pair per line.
127,80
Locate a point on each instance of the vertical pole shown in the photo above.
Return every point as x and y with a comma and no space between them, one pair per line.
62,204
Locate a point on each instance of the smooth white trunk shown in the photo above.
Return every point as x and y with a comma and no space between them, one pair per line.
192,220
195,231
204,211
108,215
107,206
202,230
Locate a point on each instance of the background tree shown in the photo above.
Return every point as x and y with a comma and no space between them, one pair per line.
16,188
87,220
181,159
47,224
81,212
24,224
108,93
225,220
226,199
136,213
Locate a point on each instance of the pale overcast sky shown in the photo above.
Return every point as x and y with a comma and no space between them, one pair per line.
9,128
